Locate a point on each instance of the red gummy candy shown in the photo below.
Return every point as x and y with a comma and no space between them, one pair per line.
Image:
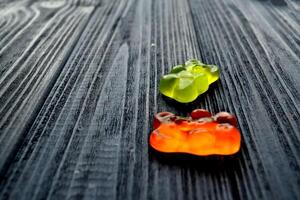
201,134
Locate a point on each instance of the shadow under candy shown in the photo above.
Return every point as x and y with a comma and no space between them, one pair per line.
185,108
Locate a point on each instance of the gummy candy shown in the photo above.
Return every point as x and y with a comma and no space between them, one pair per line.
200,134
187,81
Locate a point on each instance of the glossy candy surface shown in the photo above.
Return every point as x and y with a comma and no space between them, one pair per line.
201,134
187,81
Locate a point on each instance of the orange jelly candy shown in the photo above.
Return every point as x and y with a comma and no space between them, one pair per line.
201,134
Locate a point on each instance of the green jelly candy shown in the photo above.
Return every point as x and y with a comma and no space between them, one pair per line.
187,81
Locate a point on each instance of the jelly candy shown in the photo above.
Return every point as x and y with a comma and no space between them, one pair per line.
187,81
200,134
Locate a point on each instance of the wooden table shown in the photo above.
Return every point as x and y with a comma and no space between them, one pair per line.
79,88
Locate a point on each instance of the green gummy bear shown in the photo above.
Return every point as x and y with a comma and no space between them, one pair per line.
187,81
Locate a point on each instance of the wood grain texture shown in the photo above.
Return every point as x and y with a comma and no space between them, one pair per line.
79,88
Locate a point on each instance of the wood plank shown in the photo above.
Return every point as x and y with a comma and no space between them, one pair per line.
79,88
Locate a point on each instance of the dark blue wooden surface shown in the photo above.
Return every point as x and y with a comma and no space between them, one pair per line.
79,88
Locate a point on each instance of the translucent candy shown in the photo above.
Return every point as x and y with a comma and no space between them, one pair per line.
186,82
201,134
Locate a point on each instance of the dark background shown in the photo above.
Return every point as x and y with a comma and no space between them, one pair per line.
79,88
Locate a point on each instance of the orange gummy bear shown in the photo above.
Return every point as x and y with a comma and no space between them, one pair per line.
201,134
